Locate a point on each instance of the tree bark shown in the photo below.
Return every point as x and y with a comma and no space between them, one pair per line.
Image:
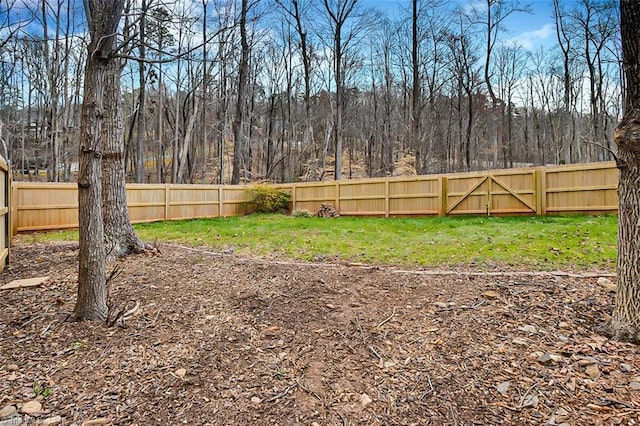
119,237
102,18
625,321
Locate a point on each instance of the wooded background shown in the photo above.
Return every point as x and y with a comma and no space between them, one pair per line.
224,91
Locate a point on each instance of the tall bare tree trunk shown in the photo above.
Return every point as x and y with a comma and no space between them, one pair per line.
625,321
238,121
119,237
416,109
96,126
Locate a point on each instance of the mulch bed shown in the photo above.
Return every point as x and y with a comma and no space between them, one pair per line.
221,339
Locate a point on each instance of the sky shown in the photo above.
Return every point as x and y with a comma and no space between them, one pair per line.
529,30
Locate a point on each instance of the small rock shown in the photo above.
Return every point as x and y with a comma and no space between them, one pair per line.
528,328
52,421
592,371
255,400
13,421
490,294
365,400
441,304
520,341
503,388
181,372
626,368
607,284
531,401
634,385
12,367
549,359
563,324
315,424
7,411
31,407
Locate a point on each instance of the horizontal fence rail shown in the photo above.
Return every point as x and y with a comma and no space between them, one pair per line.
584,188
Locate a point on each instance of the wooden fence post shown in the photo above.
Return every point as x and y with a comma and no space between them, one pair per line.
386,198
220,200
337,196
442,206
541,192
293,198
167,201
14,209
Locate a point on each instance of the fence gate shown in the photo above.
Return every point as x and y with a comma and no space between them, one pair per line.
511,192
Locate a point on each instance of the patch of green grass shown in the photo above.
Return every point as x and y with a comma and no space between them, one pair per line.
537,243
541,243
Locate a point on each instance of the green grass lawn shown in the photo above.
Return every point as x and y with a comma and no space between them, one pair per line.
533,243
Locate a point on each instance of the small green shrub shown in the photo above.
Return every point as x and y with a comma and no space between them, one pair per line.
268,199
302,213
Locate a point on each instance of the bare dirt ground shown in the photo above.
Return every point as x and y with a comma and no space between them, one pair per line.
223,340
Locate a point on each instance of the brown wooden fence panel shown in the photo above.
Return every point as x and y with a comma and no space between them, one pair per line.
309,196
234,201
419,195
193,201
40,206
581,188
578,188
362,197
45,206
148,203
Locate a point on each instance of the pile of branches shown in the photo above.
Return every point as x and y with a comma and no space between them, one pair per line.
327,210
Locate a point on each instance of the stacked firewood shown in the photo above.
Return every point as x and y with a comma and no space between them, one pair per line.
327,210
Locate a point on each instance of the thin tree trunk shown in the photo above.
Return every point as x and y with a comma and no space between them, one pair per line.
238,121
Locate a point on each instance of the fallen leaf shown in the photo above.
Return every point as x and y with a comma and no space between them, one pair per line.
490,294
592,371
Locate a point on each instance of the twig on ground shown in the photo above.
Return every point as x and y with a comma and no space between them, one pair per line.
364,338
307,390
46,329
344,420
430,391
373,349
524,397
393,312
153,323
281,394
131,311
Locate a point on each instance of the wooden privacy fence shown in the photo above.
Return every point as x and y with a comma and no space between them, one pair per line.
584,188
5,219
45,206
